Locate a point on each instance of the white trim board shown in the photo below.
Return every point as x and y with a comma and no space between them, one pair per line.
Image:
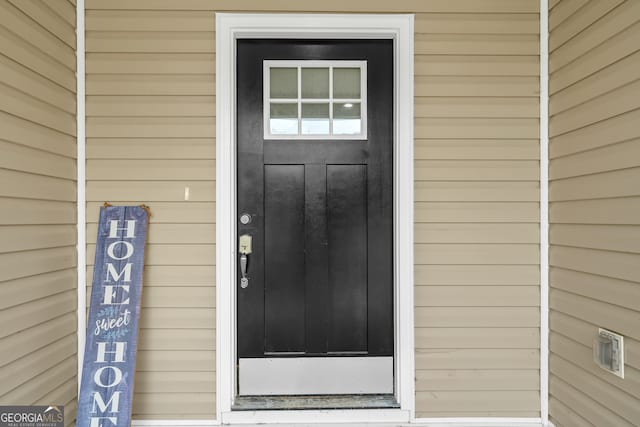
427,422
544,211
480,422
229,28
81,217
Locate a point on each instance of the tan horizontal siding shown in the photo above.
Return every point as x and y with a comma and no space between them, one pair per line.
410,6
604,81
599,57
618,292
151,120
47,382
151,63
38,360
151,191
477,358
486,296
477,275
563,10
512,194
616,102
20,291
17,345
36,186
24,211
475,107
476,192
594,210
610,157
32,57
134,170
599,31
32,32
482,85
619,403
179,21
480,380
565,416
616,129
19,77
29,134
590,413
579,20
67,11
619,238
173,106
487,402
174,405
475,210
581,331
477,338
475,233
45,16
25,159
151,129
569,352
157,84
151,148
188,360
476,65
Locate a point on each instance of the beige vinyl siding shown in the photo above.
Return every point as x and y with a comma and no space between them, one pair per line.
38,361
151,128
476,212
594,208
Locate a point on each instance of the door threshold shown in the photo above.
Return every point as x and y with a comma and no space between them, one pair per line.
346,401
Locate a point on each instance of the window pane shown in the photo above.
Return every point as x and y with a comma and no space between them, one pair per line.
284,119
346,118
346,83
346,110
284,83
315,83
315,119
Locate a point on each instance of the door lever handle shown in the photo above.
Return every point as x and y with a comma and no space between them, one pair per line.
244,281
245,250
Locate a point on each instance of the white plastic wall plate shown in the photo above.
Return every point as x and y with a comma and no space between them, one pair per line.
608,352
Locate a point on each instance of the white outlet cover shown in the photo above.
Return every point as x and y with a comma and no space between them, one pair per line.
617,350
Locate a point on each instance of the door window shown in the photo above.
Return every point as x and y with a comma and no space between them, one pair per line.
315,100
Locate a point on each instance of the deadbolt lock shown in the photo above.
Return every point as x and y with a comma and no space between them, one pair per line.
244,246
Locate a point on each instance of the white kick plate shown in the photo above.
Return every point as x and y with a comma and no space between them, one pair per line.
316,375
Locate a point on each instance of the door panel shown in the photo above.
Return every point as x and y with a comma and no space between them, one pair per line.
321,270
347,225
284,258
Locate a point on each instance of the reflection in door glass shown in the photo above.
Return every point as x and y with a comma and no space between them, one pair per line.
346,118
284,119
315,119
346,83
315,83
283,83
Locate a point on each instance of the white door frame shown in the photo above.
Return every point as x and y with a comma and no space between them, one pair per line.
229,28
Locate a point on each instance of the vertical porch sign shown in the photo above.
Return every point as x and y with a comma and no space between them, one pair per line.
106,387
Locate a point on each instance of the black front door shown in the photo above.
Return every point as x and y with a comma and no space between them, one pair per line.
318,294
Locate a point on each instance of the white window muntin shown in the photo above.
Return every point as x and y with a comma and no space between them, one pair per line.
299,65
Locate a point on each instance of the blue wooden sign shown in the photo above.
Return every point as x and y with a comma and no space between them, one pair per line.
109,364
